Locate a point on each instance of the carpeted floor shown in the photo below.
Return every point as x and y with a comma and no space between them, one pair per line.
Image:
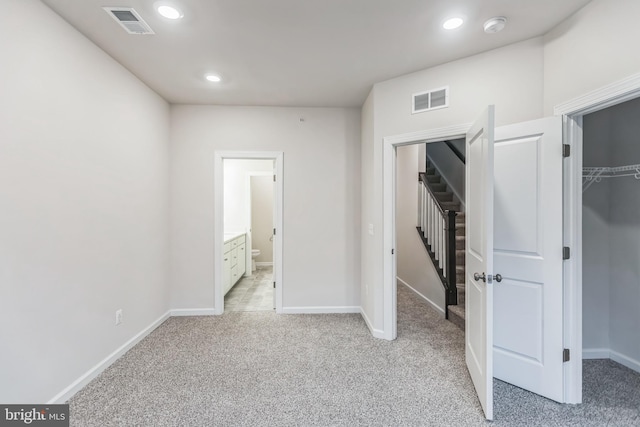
262,369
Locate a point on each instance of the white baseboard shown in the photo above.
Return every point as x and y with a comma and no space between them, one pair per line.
596,353
377,333
321,310
264,264
605,353
626,361
92,373
433,304
193,312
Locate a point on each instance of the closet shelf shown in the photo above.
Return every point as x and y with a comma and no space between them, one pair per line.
596,174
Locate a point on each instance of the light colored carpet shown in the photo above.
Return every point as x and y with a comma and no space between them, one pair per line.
262,369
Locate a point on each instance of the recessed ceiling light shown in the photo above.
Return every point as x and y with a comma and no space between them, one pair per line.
452,23
212,78
495,24
169,12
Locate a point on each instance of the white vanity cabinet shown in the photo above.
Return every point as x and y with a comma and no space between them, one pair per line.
234,264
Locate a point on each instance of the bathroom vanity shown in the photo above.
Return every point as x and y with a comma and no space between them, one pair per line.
234,264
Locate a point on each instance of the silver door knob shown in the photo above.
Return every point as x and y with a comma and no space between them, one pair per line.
498,278
477,277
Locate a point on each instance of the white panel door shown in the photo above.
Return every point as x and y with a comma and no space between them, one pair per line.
527,338
479,258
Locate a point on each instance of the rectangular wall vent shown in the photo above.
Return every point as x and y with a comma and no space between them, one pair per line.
129,19
430,100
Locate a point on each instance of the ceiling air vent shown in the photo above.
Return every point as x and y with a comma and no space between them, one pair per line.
129,20
430,100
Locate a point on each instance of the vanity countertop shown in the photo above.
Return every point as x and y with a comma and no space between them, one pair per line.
232,235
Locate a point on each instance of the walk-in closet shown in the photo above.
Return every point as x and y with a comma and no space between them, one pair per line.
611,234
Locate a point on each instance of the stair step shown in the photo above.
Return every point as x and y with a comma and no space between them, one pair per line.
460,242
443,196
456,315
453,206
460,230
438,187
460,257
461,298
460,276
430,171
460,218
433,178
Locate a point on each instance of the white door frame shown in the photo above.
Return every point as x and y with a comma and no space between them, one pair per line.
390,143
573,112
218,231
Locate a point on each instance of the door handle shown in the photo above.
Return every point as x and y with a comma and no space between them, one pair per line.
497,278
477,277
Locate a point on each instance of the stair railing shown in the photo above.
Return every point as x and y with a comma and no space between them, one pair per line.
437,228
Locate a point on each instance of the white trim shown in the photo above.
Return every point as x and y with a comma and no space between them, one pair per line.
389,261
430,135
433,304
626,361
218,251
178,312
92,373
263,264
321,310
596,353
572,212
377,333
389,266
606,96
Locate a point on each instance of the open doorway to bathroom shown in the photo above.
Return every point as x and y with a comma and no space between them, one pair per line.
248,235
248,231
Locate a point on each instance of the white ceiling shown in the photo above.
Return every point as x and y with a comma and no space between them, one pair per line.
300,52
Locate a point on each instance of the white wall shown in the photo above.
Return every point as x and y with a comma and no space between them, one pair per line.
414,266
321,198
595,47
262,217
509,77
367,240
236,197
83,204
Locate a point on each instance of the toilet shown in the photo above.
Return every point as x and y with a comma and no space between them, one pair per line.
254,253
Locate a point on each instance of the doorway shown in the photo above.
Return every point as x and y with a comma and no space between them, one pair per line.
515,276
248,235
573,113
232,230
611,234
430,186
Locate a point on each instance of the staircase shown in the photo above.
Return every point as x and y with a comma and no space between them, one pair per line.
456,313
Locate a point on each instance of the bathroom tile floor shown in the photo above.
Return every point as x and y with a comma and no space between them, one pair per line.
252,293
